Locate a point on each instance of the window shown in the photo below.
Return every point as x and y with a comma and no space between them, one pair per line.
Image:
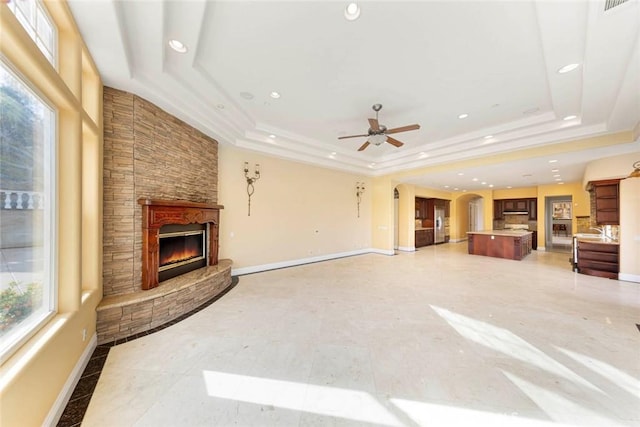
27,138
35,19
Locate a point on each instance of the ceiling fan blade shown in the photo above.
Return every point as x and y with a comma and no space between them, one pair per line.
365,145
394,142
374,124
352,136
403,129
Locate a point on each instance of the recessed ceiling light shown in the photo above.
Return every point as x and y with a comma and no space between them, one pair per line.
560,183
178,46
446,186
371,165
483,183
352,12
553,161
567,68
474,179
464,191
508,186
556,176
272,136
456,188
333,153
491,185
246,95
555,170
488,137
463,116
558,179
460,173
274,95
571,117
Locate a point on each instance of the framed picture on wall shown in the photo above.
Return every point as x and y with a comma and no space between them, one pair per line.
561,210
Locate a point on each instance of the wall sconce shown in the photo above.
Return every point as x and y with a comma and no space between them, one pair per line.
359,192
636,170
250,181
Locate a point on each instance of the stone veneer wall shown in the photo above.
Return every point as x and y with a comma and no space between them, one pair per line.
147,153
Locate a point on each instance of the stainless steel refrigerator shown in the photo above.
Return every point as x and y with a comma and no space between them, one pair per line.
439,225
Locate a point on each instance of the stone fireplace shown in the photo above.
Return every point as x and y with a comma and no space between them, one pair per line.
151,156
177,237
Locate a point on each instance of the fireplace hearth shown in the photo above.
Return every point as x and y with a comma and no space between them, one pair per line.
177,237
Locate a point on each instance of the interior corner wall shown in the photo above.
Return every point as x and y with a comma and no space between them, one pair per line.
406,216
299,212
630,230
148,153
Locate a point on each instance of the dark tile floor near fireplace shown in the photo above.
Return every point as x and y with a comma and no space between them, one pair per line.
79,401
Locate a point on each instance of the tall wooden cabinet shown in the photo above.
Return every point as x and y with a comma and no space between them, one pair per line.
606,195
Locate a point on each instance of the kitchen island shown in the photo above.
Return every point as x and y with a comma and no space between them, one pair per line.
509,244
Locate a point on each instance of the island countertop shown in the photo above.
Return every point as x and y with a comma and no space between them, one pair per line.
508,233
509,244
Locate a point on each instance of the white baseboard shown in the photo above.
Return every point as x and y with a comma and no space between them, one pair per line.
629,277
67,390
541,248
302,261
406,248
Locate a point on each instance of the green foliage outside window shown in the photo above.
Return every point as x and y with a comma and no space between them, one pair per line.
16,304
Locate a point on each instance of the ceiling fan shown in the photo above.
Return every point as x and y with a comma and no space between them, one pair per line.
379,133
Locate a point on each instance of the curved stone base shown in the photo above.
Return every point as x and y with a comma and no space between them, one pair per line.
122,316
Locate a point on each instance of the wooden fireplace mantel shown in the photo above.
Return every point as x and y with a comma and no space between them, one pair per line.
156,213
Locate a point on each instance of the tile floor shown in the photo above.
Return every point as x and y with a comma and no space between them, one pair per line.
435,337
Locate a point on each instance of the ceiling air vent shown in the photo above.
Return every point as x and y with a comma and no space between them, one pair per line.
610,4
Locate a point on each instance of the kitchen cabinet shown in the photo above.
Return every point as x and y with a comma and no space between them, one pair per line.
430,206
533,209
515,205
508,205
421,208
498,209
447,208
424,237
598,259
607,201
425,208
534,240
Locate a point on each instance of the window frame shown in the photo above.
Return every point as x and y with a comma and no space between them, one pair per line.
13,340
32,29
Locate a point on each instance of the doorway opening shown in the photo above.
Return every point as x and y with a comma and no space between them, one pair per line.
559,223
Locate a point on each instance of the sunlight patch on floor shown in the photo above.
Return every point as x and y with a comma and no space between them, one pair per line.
613,374
560,408
429,414
330,401
508,343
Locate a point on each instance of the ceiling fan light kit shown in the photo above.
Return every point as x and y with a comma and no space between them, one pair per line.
379,134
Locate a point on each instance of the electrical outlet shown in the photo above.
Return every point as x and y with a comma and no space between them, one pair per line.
84,334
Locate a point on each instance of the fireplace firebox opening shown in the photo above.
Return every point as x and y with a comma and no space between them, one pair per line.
182,248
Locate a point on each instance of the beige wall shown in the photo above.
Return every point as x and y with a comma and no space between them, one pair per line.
34,377
516,193
406,217
298,211
630,229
